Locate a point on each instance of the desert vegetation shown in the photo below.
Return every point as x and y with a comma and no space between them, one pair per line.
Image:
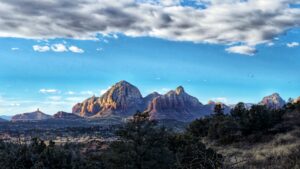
246,138
253,138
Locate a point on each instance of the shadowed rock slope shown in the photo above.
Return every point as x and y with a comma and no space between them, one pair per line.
177,105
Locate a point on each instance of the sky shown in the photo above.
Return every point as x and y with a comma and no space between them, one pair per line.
55,53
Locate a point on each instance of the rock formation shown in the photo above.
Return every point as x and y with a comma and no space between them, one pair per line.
273,101
148,99
176,105
32,116
122,99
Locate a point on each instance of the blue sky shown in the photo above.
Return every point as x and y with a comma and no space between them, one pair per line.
52,71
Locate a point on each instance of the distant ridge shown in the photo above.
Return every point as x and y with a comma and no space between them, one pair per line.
2,120
8,118
66,116
32,116
123,100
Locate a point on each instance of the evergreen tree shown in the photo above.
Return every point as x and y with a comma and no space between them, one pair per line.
219,110
191,153
142,145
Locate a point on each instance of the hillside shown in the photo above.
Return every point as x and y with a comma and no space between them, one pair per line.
31,116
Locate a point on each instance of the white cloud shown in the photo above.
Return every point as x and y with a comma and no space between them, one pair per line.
55,98
70,93
243,50
38,48
14,49
75,49
292,44
49,91
115,36
220,99
248,22
59,48
99,49
163,90
15,104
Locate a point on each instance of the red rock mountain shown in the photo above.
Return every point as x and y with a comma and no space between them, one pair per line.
122,99
273,101
176,104
32,116
148,99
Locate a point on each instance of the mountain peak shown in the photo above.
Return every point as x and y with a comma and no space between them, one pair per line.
122,98
275,95
273,101
179,90
123,83
176,104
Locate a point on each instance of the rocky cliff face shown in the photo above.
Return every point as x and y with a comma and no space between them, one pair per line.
121,99
176,105
87,108
273,101
148,99
32,116
66,116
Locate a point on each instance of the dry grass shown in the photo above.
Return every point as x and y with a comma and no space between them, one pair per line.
269,154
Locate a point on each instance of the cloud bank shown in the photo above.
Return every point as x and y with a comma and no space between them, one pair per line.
246,22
